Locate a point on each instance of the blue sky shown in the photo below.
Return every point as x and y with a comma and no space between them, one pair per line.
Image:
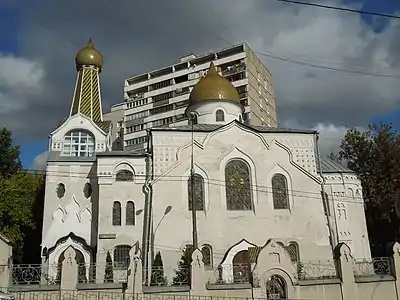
10,32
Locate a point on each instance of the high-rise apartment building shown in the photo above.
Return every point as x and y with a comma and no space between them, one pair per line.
160,97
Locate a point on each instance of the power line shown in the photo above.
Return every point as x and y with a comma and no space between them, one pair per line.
209,181
342,9
354,72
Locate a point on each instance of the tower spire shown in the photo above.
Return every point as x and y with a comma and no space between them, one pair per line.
87,97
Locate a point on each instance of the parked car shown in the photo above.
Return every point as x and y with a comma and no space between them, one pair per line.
6,296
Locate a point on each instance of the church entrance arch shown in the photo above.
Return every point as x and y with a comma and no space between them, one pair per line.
241,267
276,288
80,261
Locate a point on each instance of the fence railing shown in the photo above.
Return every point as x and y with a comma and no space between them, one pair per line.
308,270
102,273
231,274
375,266
160,276
36,274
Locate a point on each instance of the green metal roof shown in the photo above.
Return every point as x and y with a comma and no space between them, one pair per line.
330,166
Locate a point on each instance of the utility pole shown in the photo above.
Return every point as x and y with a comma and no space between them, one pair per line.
193,200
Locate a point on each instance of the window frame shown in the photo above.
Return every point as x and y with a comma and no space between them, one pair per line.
75,139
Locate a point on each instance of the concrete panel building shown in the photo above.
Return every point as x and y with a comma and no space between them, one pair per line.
160,97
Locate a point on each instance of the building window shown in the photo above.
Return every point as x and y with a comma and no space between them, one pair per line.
237,181
276,288
124,175
130,213
219,115
280,192
121,256
293,250
206,250
198,192
78,143
116,216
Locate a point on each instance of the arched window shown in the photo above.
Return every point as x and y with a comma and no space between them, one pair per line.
219,115
130,213
237,181
121,256
280,192
124,175
293,250
241,267
206,250
78,143
198,192
276,288
116,216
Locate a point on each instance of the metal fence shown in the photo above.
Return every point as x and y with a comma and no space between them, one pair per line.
375,266
161,276
102,273
104,295
231,274
35,274
309,270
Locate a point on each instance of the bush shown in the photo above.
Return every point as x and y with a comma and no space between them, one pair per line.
109,270
157,271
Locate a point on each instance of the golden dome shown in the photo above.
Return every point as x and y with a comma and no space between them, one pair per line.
89,56
213,87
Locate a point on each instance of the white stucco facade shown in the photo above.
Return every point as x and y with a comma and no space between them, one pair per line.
256,184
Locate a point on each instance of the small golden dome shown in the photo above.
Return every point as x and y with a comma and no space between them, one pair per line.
213,87
89,56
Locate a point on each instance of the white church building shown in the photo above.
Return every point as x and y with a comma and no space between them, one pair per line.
250,185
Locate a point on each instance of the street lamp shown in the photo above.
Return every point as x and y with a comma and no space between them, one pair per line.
153,236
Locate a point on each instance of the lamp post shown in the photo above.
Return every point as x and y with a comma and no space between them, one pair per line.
147,271
193,200
153,234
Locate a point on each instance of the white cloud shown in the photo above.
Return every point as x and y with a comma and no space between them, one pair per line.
309,95
39,162
21,84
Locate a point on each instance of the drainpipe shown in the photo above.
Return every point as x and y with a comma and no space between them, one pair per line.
324,199
148,191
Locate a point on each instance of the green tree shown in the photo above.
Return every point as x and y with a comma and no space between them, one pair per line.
9,155
182,273
374,155
17,197
19,193
109,270
157,271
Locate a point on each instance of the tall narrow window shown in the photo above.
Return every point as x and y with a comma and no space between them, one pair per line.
207,255
237,181
130,213
198,192
219,115
293,250
116,216
280,192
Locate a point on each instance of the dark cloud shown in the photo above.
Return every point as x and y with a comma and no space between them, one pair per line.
137,36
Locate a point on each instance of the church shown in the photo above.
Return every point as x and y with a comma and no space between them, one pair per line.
216,183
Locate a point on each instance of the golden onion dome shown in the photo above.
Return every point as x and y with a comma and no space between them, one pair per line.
89,56
213,87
